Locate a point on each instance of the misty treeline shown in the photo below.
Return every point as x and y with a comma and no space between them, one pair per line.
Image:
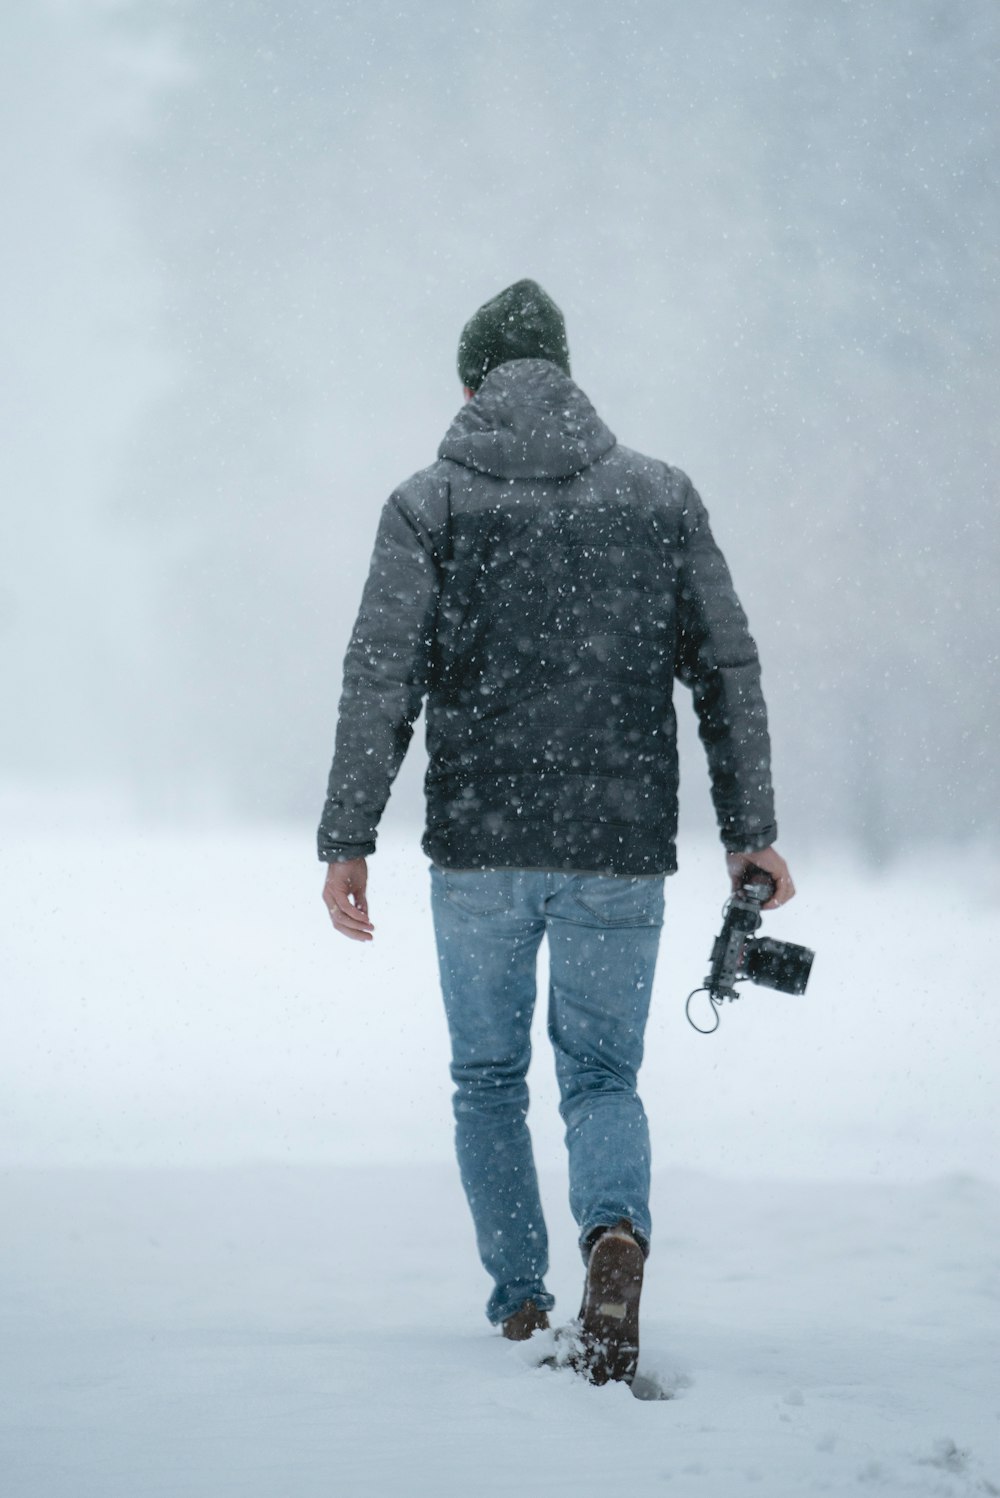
246,238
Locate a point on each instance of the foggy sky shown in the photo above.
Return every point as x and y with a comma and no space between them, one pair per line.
243,241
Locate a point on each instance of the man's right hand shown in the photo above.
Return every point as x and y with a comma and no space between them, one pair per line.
345,899
771,861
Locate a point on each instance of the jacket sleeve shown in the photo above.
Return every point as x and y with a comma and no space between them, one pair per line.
717,659
385,678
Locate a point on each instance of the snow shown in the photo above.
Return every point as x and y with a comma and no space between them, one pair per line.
315,1330
234,1255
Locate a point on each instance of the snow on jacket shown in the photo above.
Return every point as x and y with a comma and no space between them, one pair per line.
542,585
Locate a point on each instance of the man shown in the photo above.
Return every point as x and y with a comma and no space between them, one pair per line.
542,585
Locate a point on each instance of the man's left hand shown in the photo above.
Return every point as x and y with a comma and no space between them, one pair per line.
771,861
345,899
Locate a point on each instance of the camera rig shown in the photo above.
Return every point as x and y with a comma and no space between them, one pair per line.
739,956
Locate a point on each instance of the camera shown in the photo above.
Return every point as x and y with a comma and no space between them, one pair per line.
740,956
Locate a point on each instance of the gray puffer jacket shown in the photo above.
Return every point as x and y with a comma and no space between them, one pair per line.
542,586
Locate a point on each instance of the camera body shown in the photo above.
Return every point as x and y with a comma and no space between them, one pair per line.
738,955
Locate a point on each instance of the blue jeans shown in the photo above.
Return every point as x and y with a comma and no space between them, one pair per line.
603,937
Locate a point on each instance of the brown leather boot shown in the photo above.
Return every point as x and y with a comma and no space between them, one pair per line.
609,1315
525,1320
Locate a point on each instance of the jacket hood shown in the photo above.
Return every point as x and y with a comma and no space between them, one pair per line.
527,420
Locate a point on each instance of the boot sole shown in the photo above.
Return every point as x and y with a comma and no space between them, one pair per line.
609,1316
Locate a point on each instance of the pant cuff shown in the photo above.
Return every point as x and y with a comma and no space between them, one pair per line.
508,1299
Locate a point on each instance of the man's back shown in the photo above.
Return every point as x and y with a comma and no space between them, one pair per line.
542,585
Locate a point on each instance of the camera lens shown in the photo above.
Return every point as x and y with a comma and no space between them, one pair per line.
778,964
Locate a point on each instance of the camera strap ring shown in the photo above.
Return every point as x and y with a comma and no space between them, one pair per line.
716,1004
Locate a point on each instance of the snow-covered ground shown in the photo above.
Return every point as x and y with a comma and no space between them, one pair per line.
234,1257
296,1331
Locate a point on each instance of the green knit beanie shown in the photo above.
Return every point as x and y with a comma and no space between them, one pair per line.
520,323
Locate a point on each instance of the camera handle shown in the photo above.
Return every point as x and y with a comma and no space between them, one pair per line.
756,889
757,886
